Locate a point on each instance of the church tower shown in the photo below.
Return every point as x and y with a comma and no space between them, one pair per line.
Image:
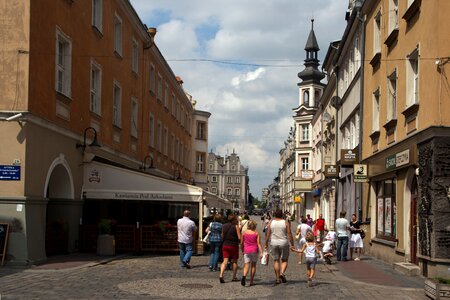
310,91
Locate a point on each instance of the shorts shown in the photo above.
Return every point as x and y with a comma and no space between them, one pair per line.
251,257
231,252
278,252
301,242
311,262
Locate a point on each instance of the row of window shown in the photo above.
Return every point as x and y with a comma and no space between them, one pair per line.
411,91
237,192
237,179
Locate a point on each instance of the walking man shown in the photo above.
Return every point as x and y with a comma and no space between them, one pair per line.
280,236
186,228
341,227
320,226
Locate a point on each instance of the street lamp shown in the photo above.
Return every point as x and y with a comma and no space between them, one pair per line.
94,142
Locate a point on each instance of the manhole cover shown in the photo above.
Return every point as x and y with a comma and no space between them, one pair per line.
196,286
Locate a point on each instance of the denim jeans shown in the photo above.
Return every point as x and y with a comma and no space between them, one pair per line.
185,253
215,252
342,243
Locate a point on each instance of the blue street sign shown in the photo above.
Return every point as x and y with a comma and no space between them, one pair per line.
9,172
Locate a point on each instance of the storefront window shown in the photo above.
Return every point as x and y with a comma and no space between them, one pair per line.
386,208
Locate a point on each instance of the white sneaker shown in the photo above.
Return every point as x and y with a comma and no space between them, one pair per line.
357,258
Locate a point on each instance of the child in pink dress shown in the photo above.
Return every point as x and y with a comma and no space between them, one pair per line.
251,247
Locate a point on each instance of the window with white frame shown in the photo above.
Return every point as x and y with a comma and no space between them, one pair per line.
306,97
392,97
166,141
214,179
174,105
166,96
134,117
95,104
160,87
117,104
118,35
357,52
159,136
201,130
97,14
412,78
182,117
200,165
229,191
377,33
229,179
134,56
63,63
178,111
151,131
238,179
305,163
376,110
237,192
305,132
393,15
214,190
152,78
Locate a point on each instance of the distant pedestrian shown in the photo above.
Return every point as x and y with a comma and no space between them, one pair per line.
215,241
320,227
302,230
309,220
231,235
341,227
311,250
280,236
244,223
251,248
186,228
266,223
356,243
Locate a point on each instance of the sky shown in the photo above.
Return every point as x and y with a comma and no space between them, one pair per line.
239,59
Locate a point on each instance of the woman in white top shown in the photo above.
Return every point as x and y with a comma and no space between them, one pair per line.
311,250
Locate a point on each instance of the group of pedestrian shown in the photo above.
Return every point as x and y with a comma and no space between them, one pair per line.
226,239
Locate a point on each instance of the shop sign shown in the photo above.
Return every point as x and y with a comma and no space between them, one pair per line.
360,173
297,199
306,174
349,156
9,172
397,160
331,171
141,196
303,185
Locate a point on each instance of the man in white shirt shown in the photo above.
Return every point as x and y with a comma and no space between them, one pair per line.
341,228
186,228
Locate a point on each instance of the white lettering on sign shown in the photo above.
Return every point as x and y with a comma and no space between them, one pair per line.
142,196
402,158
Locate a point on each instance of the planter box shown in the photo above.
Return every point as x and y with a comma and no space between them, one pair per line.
106,245
436,290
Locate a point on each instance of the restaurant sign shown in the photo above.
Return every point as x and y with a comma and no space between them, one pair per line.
397,160
331,171
349,156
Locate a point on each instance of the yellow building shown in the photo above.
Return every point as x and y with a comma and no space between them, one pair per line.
406,133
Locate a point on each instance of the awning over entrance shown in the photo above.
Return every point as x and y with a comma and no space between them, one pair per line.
213,200
102,181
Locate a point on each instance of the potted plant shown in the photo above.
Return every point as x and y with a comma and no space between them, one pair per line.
105,239
437,288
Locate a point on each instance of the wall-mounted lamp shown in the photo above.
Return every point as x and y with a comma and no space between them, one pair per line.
176,174
94,141
152,32
144,165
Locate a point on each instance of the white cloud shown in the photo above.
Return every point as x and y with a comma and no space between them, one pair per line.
251,93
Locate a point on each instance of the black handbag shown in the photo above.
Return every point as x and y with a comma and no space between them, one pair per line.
362,234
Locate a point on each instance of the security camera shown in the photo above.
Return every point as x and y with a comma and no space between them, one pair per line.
14,117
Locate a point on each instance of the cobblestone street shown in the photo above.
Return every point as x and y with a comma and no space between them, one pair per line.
160,277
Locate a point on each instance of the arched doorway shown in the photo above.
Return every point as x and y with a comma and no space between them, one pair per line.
59,189
413,222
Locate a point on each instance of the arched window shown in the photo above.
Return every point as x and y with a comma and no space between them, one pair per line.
306,98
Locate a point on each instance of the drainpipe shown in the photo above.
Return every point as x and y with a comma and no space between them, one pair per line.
361,108
336,189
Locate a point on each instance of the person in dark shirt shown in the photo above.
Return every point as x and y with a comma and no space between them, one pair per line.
356,243
231,236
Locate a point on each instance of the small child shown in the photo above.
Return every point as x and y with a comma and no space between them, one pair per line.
327,250
251,245
311,250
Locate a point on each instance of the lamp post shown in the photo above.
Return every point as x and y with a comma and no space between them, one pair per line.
94,142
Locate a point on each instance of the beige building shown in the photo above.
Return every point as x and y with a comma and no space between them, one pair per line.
406,134
76,75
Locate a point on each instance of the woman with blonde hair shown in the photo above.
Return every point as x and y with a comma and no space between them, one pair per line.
251,246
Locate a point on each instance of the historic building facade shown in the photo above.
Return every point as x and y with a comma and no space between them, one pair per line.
228,178
406,134
88,74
